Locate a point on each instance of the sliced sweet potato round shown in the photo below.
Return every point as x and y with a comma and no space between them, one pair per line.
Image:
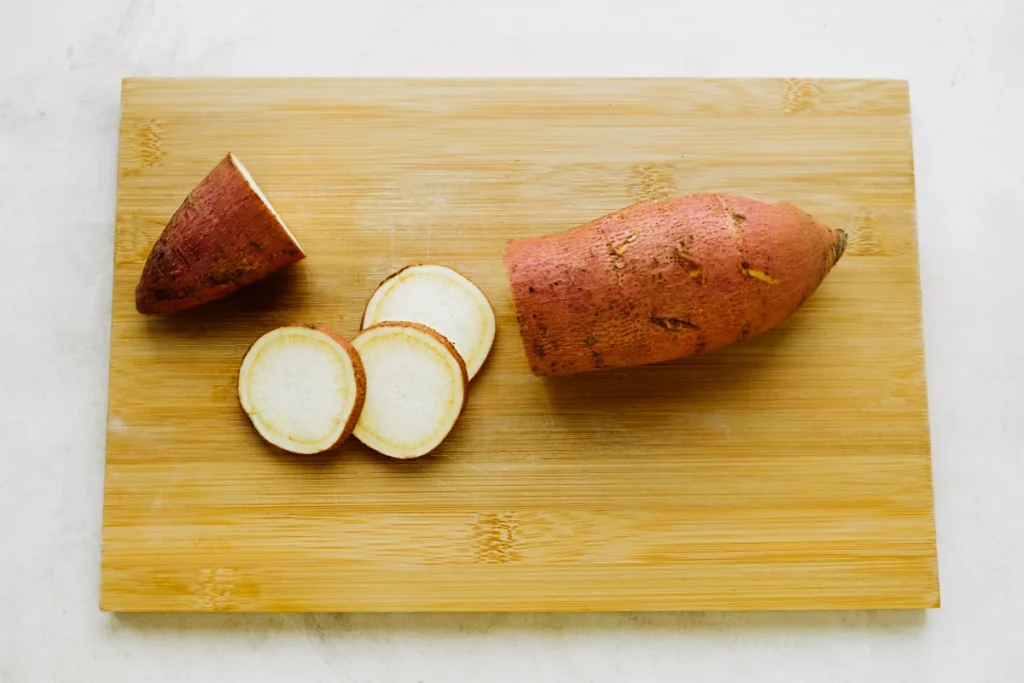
441,299
303,387
415,388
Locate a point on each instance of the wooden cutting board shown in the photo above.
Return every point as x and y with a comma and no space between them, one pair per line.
791,471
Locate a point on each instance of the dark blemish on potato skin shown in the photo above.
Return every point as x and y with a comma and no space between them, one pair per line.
744,331
739,229
538,348
738,217
590,340
532,290
693,267
682,258
673,324
161,294
232,276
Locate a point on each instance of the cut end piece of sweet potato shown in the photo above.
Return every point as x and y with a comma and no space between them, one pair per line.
224,236
416,386
303,387
442,299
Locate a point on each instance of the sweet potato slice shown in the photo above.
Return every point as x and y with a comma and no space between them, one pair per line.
441,299
303,388
416,386
224,236
664,280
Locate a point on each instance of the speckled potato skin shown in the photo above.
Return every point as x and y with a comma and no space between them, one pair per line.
222,238
664,280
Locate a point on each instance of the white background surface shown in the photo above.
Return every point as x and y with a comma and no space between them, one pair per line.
60,70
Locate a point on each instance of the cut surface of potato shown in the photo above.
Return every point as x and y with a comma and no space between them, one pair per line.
442,299
303,387
415,388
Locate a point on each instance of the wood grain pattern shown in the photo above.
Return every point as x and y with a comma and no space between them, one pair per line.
788,472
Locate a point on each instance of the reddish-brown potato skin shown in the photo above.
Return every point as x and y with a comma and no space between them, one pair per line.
664,280
222,238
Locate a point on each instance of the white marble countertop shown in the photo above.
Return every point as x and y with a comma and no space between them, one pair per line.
60,70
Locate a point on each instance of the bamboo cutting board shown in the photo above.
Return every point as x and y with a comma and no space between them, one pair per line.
791,471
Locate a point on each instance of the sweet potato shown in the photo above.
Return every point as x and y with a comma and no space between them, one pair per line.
302,387
441,299
416,384
223,237
664,279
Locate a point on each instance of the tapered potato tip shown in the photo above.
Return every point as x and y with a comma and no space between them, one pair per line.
303,388
442,299
224,236
416,385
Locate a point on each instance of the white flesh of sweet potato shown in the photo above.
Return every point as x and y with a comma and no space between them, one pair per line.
303,388
415,388
441,299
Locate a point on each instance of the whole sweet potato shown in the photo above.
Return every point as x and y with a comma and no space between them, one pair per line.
224,236
664,279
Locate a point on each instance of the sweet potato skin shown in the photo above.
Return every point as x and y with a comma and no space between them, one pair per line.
665,279
222,238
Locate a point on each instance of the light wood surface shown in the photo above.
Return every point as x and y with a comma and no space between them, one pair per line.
791,471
